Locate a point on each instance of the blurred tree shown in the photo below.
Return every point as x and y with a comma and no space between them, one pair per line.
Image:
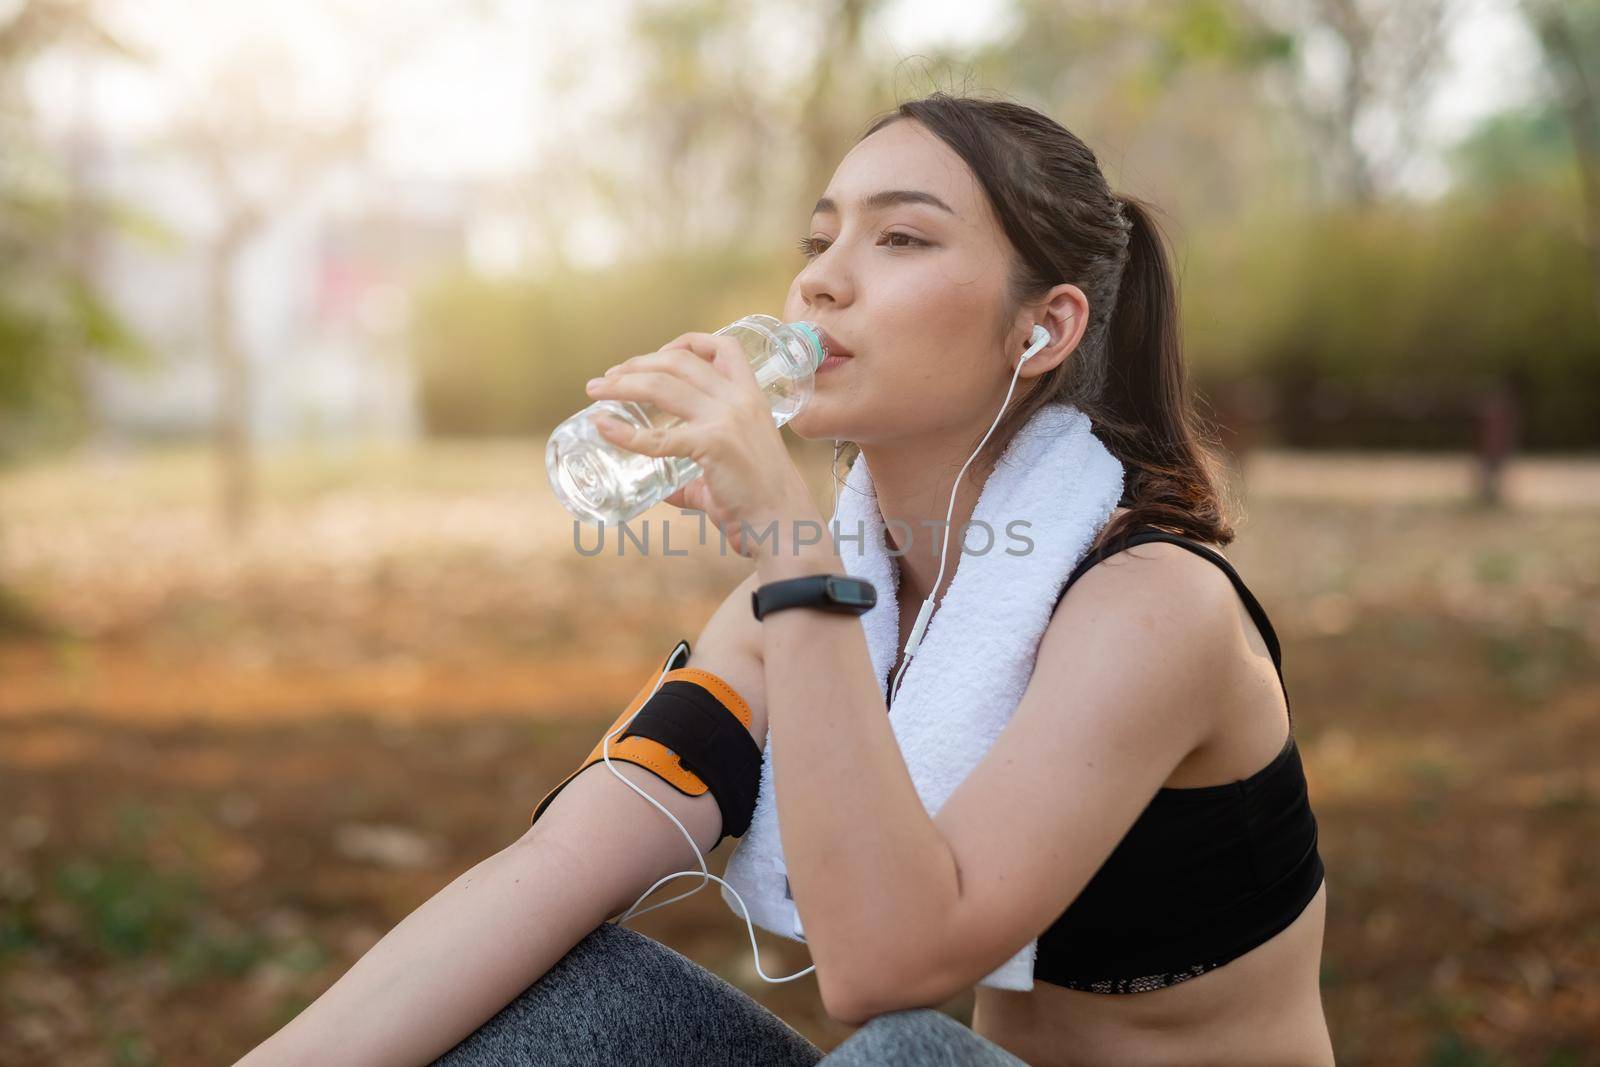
1167,92
262,145
695,126
54,323
839,94
1569,32
258,158
702,152
1514,149
737,137
1362,126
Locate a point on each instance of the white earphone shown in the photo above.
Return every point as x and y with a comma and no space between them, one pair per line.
1036,340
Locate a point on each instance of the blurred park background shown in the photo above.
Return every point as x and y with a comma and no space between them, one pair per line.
292,631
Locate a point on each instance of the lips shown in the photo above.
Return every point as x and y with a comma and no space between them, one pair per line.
834,347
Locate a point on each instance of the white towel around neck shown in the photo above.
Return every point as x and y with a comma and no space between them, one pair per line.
1055,487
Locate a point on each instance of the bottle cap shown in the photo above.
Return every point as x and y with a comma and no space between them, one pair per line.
814,339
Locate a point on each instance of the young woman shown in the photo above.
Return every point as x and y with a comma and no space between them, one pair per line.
1166,858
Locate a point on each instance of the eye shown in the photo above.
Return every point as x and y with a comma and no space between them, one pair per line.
905,236
809,246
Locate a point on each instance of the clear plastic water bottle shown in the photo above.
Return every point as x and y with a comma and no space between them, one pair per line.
600,481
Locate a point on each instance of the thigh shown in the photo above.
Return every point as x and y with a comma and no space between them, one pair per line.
918,1037
620,997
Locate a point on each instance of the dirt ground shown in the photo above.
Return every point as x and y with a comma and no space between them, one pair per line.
228,767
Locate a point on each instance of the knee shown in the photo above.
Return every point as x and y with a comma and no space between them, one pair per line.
610,962
912,1036
611,949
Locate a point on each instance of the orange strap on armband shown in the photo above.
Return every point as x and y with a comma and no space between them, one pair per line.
693,732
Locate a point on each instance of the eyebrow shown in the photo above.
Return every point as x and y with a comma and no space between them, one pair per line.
883,199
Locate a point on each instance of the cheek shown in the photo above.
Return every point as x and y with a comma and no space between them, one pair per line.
958,301
937,331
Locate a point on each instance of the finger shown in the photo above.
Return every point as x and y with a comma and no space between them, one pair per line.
685,364
633,361
689,498
667,392
678,343
647,441
728,357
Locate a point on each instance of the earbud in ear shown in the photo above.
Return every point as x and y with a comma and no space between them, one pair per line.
1036,340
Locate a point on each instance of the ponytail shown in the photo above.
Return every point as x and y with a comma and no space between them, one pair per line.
1146,414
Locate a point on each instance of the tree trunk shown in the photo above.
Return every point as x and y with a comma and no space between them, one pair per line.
1580,103
231,427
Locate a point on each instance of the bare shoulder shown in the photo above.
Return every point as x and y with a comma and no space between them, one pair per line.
1145,605
729,646
1156,574
1155,609
1162,604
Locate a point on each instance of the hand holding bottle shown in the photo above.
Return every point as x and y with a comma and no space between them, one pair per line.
748,478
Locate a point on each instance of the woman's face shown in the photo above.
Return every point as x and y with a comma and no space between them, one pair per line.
912,289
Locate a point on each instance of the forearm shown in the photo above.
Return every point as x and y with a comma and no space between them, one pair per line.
469,950
866,863
446,968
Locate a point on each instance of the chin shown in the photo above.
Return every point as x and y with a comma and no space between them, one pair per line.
813,425
805,425
806,435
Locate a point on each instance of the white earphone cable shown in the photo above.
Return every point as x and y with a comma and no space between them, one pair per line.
1039,338
704,871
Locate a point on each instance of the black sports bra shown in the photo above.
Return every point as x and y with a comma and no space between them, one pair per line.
1204,875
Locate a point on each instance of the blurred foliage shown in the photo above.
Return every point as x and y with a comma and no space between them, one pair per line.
125,906
1401,316
53,321
1518,147
136,896
19,619
504,356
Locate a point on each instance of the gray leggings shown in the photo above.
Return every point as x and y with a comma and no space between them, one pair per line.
621,998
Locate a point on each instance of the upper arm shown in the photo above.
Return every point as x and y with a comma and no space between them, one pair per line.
1119,696
729,646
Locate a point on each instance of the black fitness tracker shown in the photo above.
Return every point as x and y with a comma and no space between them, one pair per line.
831,592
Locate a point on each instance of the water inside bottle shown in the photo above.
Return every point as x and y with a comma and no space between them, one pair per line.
604,482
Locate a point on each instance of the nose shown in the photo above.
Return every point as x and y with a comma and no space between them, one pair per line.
825,278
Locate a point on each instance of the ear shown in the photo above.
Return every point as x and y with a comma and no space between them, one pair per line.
1064,311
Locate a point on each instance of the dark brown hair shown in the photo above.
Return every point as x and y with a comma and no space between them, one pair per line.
1127,373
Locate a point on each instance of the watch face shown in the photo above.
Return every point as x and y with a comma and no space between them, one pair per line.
852,591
